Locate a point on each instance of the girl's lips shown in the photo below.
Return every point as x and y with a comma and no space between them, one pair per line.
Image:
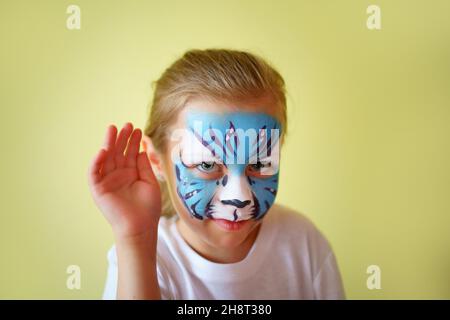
230,225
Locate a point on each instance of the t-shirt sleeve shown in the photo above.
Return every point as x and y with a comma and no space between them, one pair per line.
110,290
328,282
164,281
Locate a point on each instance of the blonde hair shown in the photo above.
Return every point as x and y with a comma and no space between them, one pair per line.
220,74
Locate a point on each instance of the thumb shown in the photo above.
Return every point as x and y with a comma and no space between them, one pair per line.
145,169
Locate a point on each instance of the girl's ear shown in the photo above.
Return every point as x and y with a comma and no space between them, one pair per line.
154,157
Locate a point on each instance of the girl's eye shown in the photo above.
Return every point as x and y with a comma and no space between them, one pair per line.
207,167
259,165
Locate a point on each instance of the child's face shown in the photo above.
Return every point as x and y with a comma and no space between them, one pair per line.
223,163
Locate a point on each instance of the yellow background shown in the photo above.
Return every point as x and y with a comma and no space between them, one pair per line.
367,156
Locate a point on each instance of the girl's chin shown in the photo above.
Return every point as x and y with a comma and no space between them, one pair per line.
227,242
221,236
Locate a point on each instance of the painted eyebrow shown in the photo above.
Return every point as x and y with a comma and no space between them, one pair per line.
201,155
209,146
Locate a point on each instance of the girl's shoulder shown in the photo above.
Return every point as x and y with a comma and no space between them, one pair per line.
294,226
290,218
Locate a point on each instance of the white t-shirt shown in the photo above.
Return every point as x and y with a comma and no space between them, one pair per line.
290,259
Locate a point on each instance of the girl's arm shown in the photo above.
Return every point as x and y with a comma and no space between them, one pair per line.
137,278
125,189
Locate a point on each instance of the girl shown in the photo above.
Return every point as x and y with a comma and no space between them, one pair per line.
193,214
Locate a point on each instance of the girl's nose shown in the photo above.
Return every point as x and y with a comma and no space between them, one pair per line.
236,202
237,191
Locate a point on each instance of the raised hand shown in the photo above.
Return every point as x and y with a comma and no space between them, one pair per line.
123,185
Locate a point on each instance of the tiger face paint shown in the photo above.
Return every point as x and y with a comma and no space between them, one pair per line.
227,165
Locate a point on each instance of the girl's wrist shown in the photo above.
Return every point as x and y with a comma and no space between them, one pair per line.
139,239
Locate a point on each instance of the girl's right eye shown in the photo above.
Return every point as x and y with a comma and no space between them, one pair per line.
207,167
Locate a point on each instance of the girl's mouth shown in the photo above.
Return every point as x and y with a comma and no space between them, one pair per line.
228,225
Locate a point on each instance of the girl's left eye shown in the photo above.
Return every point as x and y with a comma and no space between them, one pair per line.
259,165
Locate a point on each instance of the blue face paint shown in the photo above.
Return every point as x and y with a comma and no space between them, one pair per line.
228,165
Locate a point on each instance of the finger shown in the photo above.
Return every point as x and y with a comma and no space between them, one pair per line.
94,172
110,138
145,169
133,149
110,141
122,143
